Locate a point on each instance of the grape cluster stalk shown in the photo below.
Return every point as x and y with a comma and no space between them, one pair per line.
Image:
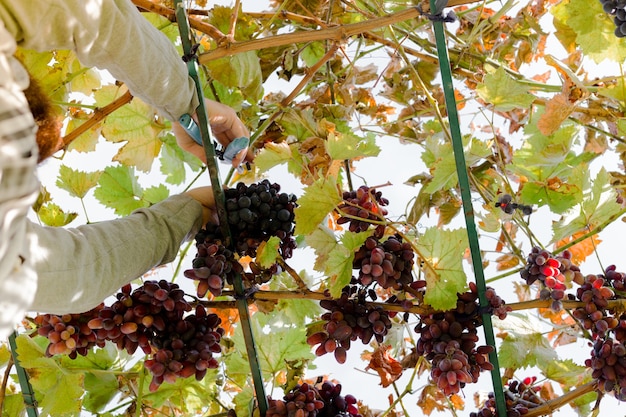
617,10
349,318
448,341
154,318
255,213
321,400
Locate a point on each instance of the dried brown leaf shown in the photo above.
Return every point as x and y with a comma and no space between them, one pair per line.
387,367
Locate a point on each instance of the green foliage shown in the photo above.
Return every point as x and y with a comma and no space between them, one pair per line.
443,251
319,199
504,92
63,389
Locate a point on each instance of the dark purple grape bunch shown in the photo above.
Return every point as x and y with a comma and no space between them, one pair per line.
348,319
68,334
389,264
213,265
365,205
307,400
608,364
257,212
520,398
507,205
553,271
617,10
185,348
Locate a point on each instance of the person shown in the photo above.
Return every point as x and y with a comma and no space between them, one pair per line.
62,270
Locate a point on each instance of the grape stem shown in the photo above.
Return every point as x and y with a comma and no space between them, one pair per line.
5,380
619,304
551,406
263,295
292,272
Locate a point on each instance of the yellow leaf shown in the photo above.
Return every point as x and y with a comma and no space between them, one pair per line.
582,249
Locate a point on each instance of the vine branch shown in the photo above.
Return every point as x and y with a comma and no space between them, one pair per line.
168,13
550,406
98,115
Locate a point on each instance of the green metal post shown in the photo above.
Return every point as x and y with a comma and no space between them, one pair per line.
203,122
461,168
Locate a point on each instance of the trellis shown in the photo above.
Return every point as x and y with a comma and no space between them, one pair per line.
241,301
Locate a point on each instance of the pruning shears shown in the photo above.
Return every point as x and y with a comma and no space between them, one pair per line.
227,155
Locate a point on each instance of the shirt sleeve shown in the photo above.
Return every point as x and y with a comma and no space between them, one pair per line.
111,35
78,268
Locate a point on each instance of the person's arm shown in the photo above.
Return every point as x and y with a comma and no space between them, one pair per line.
111,35
78,268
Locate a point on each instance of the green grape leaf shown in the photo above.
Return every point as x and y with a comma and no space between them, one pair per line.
88,140
298,123
241,71
59,391
323,242
525,344
186,394
298,312
616,91
52,215
339,263
50,69
155,194
443,250
100,390
504,92
173,160
118,189
13,405
274,348
267,252
75,182
271,155
525,350
558,195
598,207
593,27
134,124
5,354
165,25
566,372
346,145
439,156
319,199
83,80
313,52
244,401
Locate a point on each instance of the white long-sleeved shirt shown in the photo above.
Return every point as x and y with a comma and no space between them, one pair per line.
63,270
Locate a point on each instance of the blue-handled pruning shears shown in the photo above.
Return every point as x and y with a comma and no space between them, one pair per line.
226,155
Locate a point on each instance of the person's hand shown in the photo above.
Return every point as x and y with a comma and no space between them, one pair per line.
226,127
204,196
